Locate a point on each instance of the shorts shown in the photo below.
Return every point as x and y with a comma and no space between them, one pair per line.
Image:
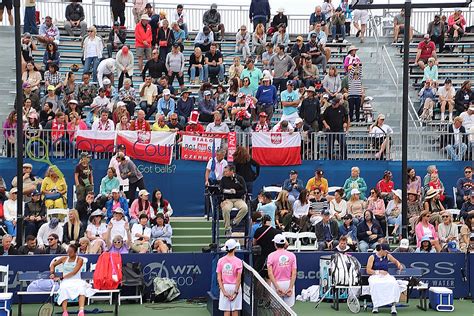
225,304
144,52
284,285
424,60
6,4
361,15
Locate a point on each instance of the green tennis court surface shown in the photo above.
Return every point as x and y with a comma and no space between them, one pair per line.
462,308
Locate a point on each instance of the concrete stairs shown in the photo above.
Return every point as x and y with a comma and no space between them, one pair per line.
190,234
7,64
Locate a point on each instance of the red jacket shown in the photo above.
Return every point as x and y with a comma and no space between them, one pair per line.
141,35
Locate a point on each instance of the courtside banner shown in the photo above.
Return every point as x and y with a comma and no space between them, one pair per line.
96,141
197,147
156,147
276,149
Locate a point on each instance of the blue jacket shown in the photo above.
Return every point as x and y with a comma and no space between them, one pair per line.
289,187
123,205
350,231
259,8
266,95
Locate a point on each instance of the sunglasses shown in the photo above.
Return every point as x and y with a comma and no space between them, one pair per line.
372,192
50,239
173,119
117,241
467,171
317,192
445,216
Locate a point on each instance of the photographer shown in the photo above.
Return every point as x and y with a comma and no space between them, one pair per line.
294,186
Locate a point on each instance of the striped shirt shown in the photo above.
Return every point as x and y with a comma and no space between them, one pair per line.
355,82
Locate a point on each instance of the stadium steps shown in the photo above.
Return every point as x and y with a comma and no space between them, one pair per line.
190,234
7,79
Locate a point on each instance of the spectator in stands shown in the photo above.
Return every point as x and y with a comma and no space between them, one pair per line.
33,77
427,96
107,184
301,208
212,19
46,114
204,39
282,65
262,237
293,186
310,73
155,67
117,38
234,190
468,121
436,30
69,88
455,141
348,230
141,234
266,56
318,182
127,101
196,64
117,243
380,134
394,214
118,10
104,123
184,106
73,229
281,37
35,214
404,247
161,235
259,13
143,39
83,176
266,207
105,70
124,63
31,102
175,65
179,17
426,245
160,205
140,206
236,69
338,25
355,182
433,205
446,96
464,187
86,91
193,124
464,97
117,201
426,50
30,247
338,206
160,124
346,10
100,102
164,40
290,101
217,126
174,124
431,71
51,227
284,211
93,46
213,64
447,230
361,16
128,170
96,232
52,77
48,32
207,108
8,244
262,124
427,178
327,232
376,205
414,208
54,245
278,19
332,83
179,35
51,55
317,17
244,166
52,98
466,241
336,121
356,206
437,184
29,19
355,91
385,186
148,95
54,189
310,109
10,213
456,25
30,181
242,42
369,232
86,206
254,76
259,39
166,105
75,18
399,27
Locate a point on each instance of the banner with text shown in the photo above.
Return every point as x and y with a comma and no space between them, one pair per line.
156,147
198,147
96,141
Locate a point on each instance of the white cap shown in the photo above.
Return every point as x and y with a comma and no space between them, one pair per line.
115,191
298,120
106,81
398,193
207,92
121,103
355,191
166,92
143,192
230,244
326,96
279,239
404,243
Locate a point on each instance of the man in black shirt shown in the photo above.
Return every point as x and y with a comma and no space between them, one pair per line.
7,249
35,214
327,232
54,246
234,189
213,64
336,123
117,38
155,66
263,237
75,18
310,109
30,248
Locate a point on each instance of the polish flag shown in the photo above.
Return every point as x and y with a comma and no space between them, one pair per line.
95,141
155,147
276,149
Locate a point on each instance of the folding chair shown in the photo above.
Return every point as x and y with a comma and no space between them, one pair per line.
4,270
106,297
313,241
292,239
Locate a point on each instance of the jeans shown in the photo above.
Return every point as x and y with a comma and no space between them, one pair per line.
30,21
321,59
342,31
130,107
91,63
245,49
396,221
258,20
82,26
61,145
456,152
364,246
323,246
184,27
214,71
354,104
199,72
341,139
438,40
11,229
149,109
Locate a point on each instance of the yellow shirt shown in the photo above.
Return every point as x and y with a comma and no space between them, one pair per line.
313,184
48,185
157,128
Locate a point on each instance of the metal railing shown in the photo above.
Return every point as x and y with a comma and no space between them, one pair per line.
389,66
423,145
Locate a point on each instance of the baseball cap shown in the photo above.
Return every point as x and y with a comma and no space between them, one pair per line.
426,36
117,23
35,192
73,101
207,92
168,92
293,172
279,239
325,96
298,120
265,115
355,191
53,223
51,87
453,247
299,38
314,35
13,190
326,212
143,192
230,245
145,16
175,44
118,210
290,82
148,5
404,243
214,6
115,191
25,85
347,216
266,78
27,165
106,81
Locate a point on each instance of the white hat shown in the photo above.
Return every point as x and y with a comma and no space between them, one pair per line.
73,101
207,92
398,193
143,192
145,17
279,239
14,190
115,191
298,120
106,81
281,10
404,243
166,92
121,103
355,191
230,244
118,210
326,96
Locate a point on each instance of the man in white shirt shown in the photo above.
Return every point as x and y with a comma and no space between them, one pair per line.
468,119
106,68
148,93
141,234
220,164
446,97
115,163
217,126
104,124
180,18
455,140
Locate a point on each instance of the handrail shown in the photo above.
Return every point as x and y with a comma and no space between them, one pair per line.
414,117
373,27
388,63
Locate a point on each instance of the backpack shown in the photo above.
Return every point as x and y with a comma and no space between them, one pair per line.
108,271
345,270
132,274
166,290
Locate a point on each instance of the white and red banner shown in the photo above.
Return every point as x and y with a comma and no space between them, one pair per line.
276,149
199,147
95,141
156,147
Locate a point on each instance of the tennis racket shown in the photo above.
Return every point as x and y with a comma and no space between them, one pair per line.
47,308
352,301
45,158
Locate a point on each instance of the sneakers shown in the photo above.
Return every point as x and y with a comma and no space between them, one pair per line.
67,314
227,233
358,33
345,41
393,311
334,41
375,310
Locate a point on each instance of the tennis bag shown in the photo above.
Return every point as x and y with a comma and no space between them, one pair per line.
345,270
108,271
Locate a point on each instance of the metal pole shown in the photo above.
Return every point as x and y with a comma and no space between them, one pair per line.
406,50
19,125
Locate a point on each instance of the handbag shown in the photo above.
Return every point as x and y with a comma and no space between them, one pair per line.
164,43
52,196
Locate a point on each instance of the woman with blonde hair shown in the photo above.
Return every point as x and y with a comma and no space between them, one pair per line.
54,189
284,211
356,206
92,46
332,82
123,124
84,247
73,230
259,39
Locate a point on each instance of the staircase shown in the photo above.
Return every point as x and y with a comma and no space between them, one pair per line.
190,234
7,63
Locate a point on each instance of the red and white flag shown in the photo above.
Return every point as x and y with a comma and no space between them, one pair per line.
156,147
95,141
276,149
197,147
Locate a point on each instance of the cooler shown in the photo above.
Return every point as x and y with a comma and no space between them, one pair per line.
441,299
5,304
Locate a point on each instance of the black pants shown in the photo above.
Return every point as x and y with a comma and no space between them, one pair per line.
257,21
280,84
176,75
383,222
132,188
341,139
121,78
130,107
354,104
438,40
118,11
31,228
